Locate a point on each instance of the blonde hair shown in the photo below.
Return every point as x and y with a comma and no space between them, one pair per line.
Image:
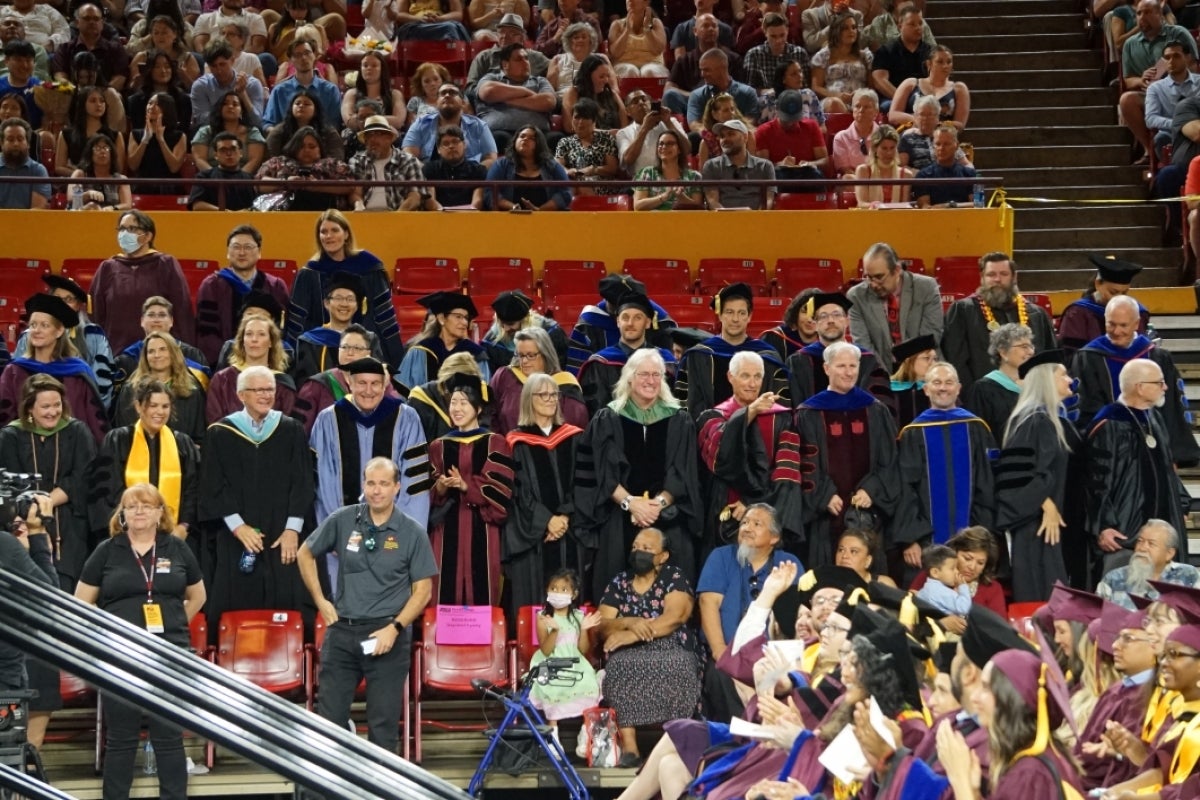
277,359
143,493
182,384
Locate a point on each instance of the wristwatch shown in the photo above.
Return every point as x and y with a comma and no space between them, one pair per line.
625,503
398,625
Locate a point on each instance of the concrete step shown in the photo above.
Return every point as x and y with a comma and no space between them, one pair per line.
1059,268
1074,117
945,9
1099,216
1059,157
993,62
1105,178
1095,238
950,27
1173,325
1038,279
1046,136
1034,98
1029,79
1025,187
982,41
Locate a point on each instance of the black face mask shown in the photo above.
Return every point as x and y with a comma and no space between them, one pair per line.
641,562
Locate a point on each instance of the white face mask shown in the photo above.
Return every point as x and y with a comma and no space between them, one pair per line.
127,241
558,599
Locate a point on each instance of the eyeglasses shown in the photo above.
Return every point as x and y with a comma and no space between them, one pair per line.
140,508
1159,382
1175,655
1128,638
824,601
260,390
130,229
657,376
830,315
880,278
549,397
343,298
242,248
1023,346
461,316
528,356
831,628
354,348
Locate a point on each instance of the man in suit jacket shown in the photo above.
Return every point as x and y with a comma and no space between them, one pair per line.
892,305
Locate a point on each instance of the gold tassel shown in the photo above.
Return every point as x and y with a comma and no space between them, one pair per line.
856,595
908,612
1042,740
810,308
717,303
807,581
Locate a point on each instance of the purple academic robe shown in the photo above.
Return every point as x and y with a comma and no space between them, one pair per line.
223,400
1120,703
1029,779
506,386
122,284
219,308
82,397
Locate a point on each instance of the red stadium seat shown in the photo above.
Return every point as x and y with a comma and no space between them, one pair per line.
794,275
160,202
1042,301
715,273
409,314
566,308
487,277
570,277
443,670
426,275
284,269
452,55
11,324
80,270
651,86
957,274
196,270
689,311
600,202
22,277
354,19
805,201
266,647
661,275
846,198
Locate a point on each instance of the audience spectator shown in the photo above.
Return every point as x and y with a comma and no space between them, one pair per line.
19,78
423,87
850,148
485,17
550,38
305,111
762,61
683,35
125,281
363,108
98,161
237,33
954,99
670,164
12,29
302,57
644,625
819,22
686,73
1163,94
916,143
720,108
299,13
886,26
790,75
85,71
1153,560
113,63
14,106
597,82
646,126
511,31
842,67
138,13
882,163
582,41
161,75
165,38
978,555
88,117
210,90
42,24
205,196
374,81
323,68
945,165
514,99
737,163
212,25
430,20
451,164
157,151
257,343
425,132
636,42
1139,62
383,161
303,159
794,144
528,158
588,154
714,71
15,137
903,57
229,116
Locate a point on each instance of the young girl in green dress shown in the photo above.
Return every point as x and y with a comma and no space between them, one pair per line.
563,632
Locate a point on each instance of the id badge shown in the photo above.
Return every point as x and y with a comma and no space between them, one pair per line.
154,618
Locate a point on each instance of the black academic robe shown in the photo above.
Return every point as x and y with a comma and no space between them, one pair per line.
1099,363
596,329
1083,321
785,340
907,400
106,480
1129,482
966,335
62,459
127,360
806,375
543,473
755,462
433,408
265,483
1034,466
992,399
219,302
187,413
599,374
829,412
945,470
604,461
703,378
317,351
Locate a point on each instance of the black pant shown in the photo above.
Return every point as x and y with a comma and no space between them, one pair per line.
124,722
343,665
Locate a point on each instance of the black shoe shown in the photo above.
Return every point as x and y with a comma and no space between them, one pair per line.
629,761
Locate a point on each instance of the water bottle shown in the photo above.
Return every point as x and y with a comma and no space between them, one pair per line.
149,765
77,198
980,197
247,561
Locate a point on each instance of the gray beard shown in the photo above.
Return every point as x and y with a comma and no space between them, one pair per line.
1161,401
744,551
1138,574
998,296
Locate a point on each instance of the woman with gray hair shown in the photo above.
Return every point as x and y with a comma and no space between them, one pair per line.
580,42
540,535
637,468
994,396
534,353
1033,474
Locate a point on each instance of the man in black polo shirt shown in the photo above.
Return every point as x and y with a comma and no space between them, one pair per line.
452,164
384,584
205,196
903,57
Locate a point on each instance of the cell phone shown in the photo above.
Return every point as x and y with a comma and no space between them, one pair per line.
655,106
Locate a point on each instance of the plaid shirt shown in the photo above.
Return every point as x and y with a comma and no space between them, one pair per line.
760,63
401,168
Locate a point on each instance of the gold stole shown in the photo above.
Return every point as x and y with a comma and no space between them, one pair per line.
170,474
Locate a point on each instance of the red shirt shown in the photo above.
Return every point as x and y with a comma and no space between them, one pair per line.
800,142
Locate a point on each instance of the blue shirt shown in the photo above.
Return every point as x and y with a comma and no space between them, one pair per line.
744,97
1114,587
723,575
423,135
940,195
952,601
328,97
35,112
206,93
20,195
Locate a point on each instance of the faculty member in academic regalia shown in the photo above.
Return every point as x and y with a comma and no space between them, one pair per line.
597,328
806,367
49,351
324,389
907,386
258,343
448,333
534,353
636,320
1083,320
540,534
514,312
316,349
256,495
472,491
994,396
162,360
847,453
431,400
797,330
158,316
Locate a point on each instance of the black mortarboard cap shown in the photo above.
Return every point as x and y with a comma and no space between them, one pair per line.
512,306
345,280
467,380
445,302
63,282
828,577
912,347
615,284
989,633
633,299
267,302
365,366
54,306
824,299
1115,270
734,291
1044,357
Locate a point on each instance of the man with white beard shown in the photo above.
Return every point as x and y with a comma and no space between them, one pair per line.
1153,559
1131,478
729,582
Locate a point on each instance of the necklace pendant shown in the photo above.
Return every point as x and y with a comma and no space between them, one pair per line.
1151,442
993,325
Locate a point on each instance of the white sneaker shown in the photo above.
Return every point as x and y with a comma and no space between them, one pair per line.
196,769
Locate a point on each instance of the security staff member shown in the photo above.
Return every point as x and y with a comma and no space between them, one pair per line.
384,583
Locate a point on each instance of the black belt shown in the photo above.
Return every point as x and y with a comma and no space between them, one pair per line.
377,621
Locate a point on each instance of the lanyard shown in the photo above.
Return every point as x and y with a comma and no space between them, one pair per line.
148,574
